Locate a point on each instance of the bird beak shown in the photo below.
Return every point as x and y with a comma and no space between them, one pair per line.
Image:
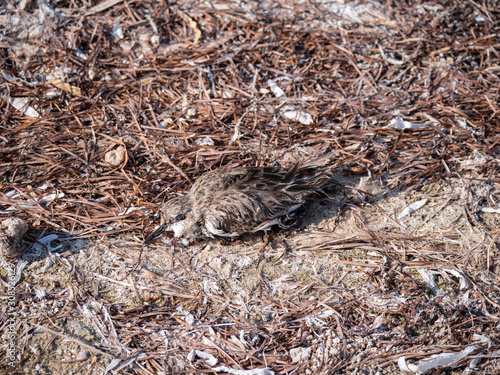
156,233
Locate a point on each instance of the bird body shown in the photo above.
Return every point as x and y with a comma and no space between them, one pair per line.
229,203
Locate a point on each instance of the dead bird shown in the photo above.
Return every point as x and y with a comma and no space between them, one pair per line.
233,202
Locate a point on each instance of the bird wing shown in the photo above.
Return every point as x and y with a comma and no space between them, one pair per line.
211,184
255,198
300,179
236,210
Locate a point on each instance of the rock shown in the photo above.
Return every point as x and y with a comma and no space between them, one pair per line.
300,116
83,355
12,231
116,157
300,354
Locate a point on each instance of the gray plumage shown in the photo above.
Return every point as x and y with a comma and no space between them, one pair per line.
232,202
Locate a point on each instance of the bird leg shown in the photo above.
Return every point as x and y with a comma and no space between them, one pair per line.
261,251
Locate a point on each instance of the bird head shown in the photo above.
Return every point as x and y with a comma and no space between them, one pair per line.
173,213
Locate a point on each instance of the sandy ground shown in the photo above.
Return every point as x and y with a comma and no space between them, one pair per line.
351,248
